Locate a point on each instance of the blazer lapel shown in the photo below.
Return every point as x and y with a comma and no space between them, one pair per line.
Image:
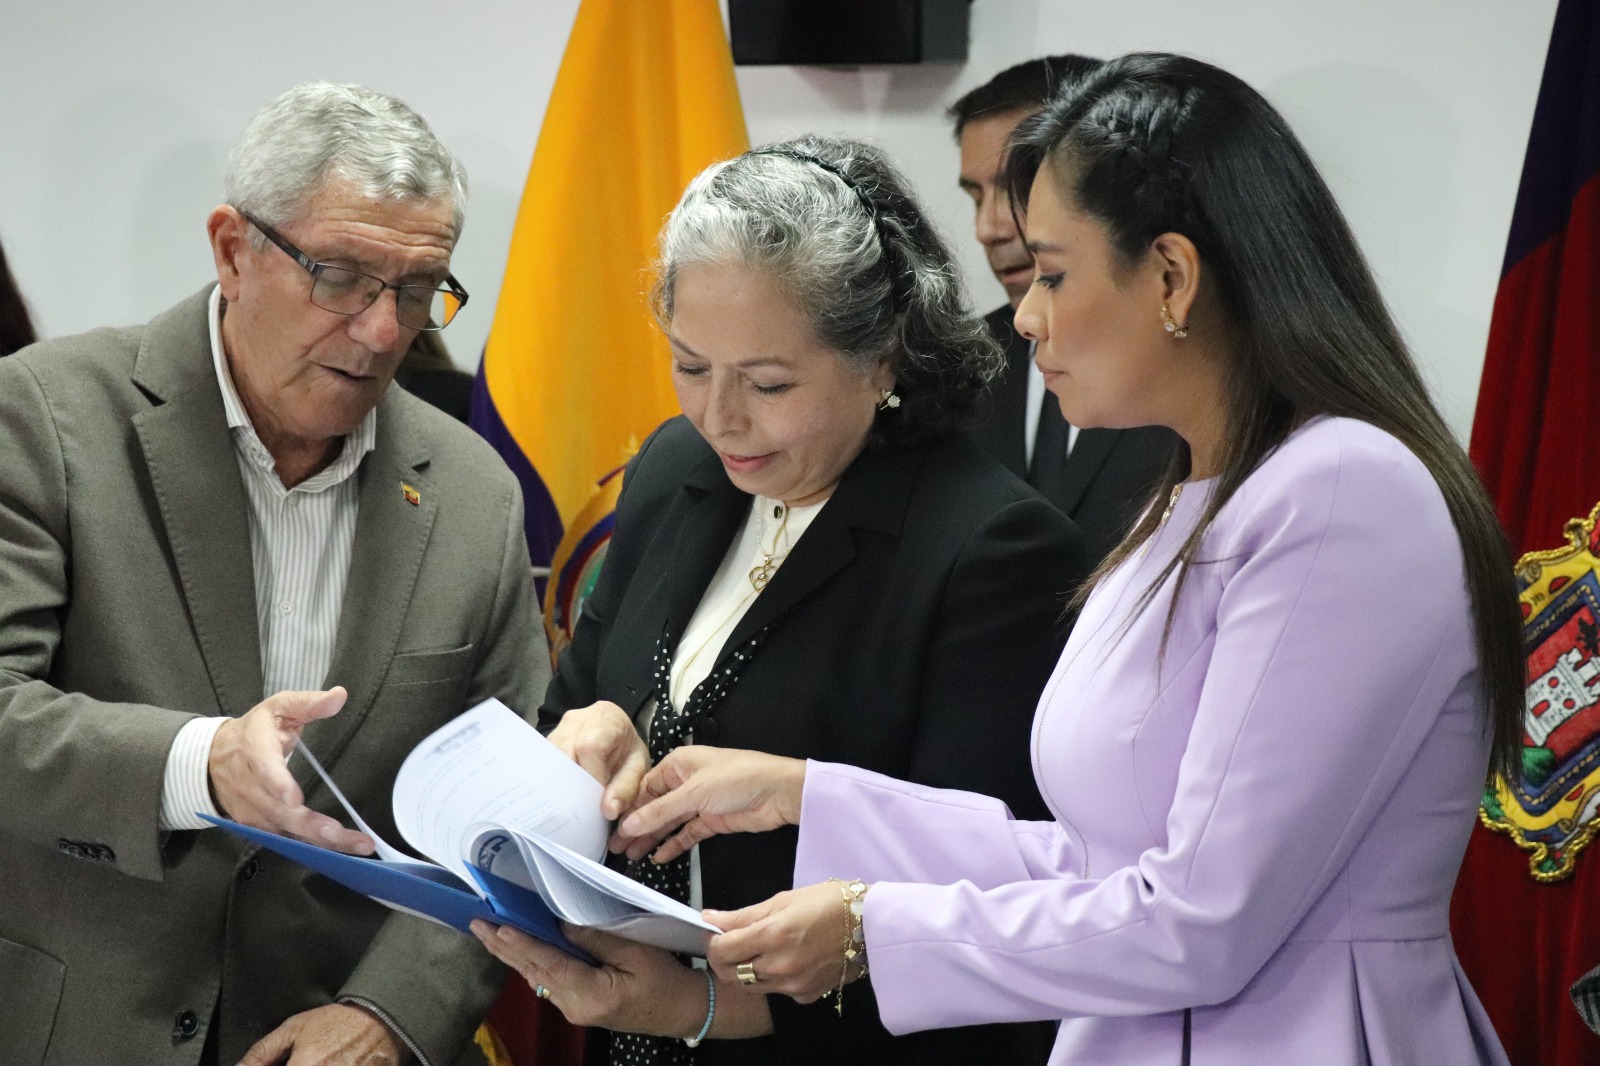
716,511
872,495
696,529
392,531
189,455
1088,456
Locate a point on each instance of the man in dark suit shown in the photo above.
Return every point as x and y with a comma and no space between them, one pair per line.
1101,478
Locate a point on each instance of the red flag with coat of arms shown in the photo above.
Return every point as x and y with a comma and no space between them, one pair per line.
1526,913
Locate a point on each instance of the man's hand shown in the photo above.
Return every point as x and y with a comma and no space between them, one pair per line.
254,787
601,739
335,1035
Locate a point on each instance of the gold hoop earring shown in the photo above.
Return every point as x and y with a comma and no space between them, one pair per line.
887,399
1171,325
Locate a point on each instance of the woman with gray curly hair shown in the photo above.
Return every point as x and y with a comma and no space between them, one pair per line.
812,561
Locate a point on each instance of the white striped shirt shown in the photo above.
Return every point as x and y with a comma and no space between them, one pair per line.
300,545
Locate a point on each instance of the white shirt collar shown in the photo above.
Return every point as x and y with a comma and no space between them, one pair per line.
356,445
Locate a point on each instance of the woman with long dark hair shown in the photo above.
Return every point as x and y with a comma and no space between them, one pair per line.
1265,742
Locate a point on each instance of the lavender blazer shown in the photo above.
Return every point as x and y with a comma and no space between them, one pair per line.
1264,825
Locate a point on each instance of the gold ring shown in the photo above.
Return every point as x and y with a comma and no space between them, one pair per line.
541,991
747,973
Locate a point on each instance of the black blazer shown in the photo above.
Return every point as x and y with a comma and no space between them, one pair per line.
915,624
1110,472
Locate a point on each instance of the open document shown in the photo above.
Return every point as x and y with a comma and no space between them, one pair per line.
514,831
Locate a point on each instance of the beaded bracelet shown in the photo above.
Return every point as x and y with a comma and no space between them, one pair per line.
854,894
711,1010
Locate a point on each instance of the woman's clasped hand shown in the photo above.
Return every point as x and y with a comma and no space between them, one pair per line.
635,989
698,792
793,942
695,793
614,994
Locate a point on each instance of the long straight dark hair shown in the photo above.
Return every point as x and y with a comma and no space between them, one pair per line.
1153,143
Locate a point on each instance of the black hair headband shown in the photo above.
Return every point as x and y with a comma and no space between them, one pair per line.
896,275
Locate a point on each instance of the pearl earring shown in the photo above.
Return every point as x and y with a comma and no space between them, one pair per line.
1171,326
887,399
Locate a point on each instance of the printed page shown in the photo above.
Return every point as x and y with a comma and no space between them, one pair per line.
508,856
490,766
583,892
386,851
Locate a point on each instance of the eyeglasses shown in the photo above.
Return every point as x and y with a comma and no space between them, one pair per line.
350,292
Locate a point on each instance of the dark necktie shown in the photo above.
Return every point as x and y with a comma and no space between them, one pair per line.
670,727
1048,470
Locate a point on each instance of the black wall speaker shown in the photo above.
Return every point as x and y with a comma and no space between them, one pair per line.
847,32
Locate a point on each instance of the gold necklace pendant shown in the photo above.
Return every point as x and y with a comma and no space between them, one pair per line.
762,572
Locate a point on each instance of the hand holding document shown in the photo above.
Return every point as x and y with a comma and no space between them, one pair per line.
514,830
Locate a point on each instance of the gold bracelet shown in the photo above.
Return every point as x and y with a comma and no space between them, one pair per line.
854,894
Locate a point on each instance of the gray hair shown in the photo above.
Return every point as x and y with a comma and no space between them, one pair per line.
320,131
834,225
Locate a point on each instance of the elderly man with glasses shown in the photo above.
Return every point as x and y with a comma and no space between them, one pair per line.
221,534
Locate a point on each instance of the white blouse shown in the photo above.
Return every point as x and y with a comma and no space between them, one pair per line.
769,534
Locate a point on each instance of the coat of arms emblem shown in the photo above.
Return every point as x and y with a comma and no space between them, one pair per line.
1552,807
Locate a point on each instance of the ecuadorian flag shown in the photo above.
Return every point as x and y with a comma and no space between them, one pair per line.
575,373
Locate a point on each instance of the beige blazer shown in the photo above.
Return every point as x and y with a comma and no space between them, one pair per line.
127,606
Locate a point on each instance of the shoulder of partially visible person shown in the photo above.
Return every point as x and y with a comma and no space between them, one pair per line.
1002,326
428,373
1001,323
671,454
455,451
1353,487
80,369
961,487
98,371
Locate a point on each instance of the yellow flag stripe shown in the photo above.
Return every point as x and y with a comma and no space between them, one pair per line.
577,369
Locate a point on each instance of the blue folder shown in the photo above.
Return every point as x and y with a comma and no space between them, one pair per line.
440,895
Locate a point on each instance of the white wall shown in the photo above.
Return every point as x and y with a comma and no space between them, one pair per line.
118,117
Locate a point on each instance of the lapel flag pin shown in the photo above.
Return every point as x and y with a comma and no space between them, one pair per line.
413,497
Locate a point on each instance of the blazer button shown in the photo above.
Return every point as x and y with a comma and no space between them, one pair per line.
247,873
185,1025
